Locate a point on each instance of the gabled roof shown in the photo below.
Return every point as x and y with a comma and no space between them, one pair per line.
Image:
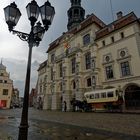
87,22
116,25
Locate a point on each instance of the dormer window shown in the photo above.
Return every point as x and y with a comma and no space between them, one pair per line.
112,39
122,34
103,43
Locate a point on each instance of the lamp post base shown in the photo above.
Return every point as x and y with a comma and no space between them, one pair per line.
23,132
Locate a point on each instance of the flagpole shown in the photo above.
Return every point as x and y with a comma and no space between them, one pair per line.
111,10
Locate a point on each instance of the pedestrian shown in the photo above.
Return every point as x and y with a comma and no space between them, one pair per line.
65,106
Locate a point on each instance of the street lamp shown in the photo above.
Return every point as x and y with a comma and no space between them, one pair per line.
12,16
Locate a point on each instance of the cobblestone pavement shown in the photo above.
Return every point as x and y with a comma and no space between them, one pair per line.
55,125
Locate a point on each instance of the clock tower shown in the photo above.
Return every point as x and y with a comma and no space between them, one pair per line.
75,14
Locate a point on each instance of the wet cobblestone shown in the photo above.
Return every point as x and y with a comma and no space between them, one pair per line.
52,125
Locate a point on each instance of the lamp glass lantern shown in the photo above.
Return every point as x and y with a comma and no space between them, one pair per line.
38,31
47,14
12,15
32,12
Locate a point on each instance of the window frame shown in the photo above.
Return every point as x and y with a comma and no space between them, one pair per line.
109,72
122,35
52,57
5,92
60,70
125,68
73,65
112,39
103,43
89,82
86,39
88,60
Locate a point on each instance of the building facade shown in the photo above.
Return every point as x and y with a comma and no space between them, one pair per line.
33,98
6,88
42,86
92,56
15,98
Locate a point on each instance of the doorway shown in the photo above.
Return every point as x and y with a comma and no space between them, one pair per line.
132,97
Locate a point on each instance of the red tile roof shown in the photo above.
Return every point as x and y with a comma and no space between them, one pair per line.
118,24
87,22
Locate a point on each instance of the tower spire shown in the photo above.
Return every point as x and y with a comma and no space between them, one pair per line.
75,14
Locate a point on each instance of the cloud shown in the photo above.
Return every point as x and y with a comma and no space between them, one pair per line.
17,69
15,52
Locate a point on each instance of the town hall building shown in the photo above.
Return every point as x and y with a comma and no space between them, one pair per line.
90,56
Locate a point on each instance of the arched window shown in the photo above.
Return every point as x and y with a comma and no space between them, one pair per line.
86,39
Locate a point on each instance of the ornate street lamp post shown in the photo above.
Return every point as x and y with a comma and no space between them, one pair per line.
12,16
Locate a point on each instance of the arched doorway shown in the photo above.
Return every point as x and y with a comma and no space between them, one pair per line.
132,97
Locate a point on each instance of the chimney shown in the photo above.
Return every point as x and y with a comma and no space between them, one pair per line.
119,15
87,16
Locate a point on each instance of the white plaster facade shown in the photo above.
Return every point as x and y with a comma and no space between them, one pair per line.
115,46
6,88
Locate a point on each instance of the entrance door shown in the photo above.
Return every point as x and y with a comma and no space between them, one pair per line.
132,97
2,103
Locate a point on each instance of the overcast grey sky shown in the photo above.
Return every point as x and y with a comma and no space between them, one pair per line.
14,51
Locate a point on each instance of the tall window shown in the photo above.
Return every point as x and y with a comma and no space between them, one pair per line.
86,39
51,73
122,34
125,69
52,57
88,60
89,82
103,43
73,65
112,39
61,86
109,72
40,88
74,84
60,70
5,91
